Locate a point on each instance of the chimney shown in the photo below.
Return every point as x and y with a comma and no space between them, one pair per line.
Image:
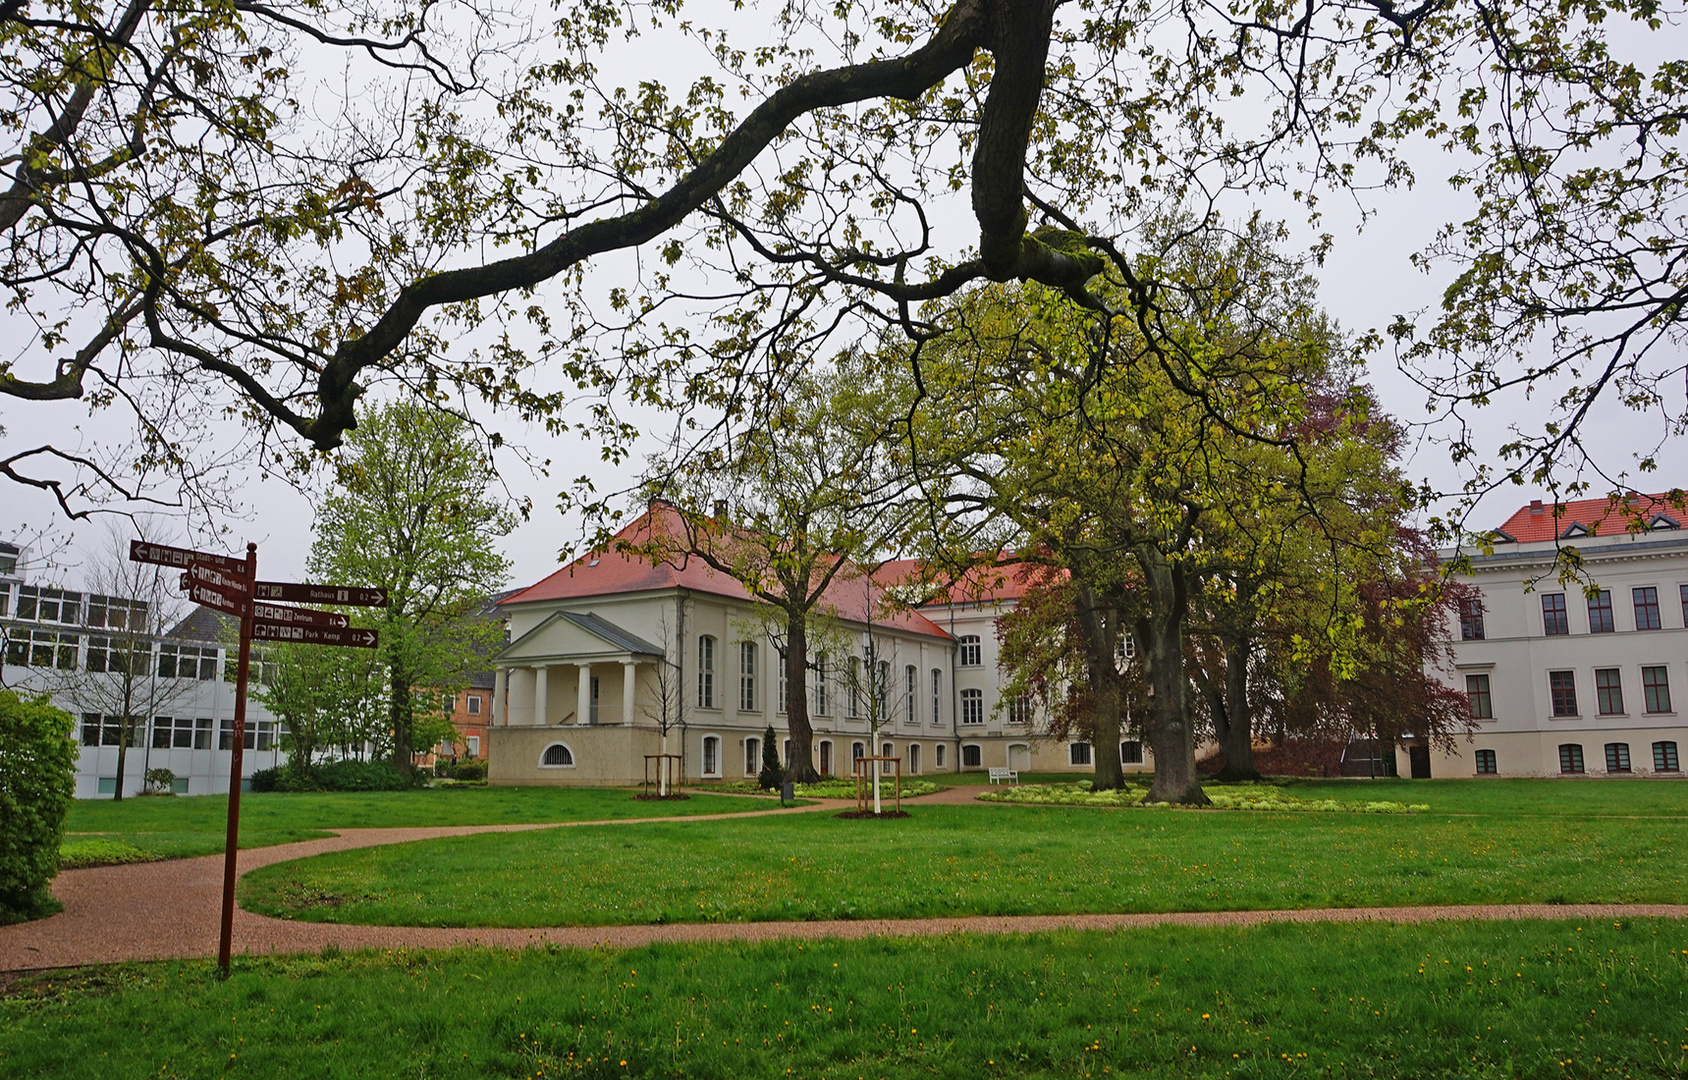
720,509
1535,506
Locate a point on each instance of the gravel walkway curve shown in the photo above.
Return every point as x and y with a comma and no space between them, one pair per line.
168,910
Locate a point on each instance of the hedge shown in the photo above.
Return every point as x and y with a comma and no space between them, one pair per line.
37,782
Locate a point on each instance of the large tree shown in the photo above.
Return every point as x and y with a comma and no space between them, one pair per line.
266,209
412,514
790,505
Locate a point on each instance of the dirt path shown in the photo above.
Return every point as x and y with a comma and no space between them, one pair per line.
168,910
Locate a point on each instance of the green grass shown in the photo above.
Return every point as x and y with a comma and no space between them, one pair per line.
1518,1001
98,851
1001,860
179,827
1271,797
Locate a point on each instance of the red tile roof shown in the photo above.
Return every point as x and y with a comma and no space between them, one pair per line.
1602,517
854,597
977,584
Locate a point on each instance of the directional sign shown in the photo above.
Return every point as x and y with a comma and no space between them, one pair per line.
263,630
216,598
305,593
299,616
202,573
162,555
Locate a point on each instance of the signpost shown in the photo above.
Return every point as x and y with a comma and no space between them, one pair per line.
231,585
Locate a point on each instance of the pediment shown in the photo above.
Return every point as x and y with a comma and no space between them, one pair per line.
568,636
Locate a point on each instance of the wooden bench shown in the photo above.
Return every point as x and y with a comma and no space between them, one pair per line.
1000,775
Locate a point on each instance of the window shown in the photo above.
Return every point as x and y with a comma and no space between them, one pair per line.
1600,613
472,746
972,706
937,697
970,756
1020,710
826,757
1570,758
1617,757
5,591
782,682
886,750
8,564
882,688
1683,589
592,702
474,702
177,733
1480,705
1609,691
1646,608
225,735
785,753
711,756
857,752
1078,753
1664,757
747,676
558,756
1471,619
1562,688
821,706
100,730
42,649
913,758
187,661
116,614
1124,652
1554,618
36,604
752,756
1655,689
706,672
1130,752
1486,763
911,695
971,654
855,687
940,752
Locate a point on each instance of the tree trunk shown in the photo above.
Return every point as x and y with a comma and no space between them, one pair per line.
1162,630
801,768
400,713
1235,725
1100,619
122,754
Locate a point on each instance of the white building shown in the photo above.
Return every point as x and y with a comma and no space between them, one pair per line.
53,633
1570,681
595,648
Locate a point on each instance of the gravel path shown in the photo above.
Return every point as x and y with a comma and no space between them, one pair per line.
168,910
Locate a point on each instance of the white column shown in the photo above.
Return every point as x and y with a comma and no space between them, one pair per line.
541,681
583,708
501,696
629,682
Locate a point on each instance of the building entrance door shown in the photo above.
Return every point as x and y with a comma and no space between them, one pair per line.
1420,758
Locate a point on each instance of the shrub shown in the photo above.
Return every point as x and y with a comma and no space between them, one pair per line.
264,779
37,782
771,776
353,775
470,770
159,782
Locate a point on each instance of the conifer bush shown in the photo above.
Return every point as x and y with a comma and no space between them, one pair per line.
772,775
37,782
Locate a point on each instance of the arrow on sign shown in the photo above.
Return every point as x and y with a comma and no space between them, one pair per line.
306,593
216,598
202,573
298,616
163,555
263,630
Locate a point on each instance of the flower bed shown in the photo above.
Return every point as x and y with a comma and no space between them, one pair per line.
833,788
1228,797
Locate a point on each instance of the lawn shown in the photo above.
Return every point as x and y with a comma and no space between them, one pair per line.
1518,1001
1595,843
173,827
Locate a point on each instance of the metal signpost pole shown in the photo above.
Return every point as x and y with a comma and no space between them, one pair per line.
225,943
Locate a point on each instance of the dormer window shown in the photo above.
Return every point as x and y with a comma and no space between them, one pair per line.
1663,522
1575,530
